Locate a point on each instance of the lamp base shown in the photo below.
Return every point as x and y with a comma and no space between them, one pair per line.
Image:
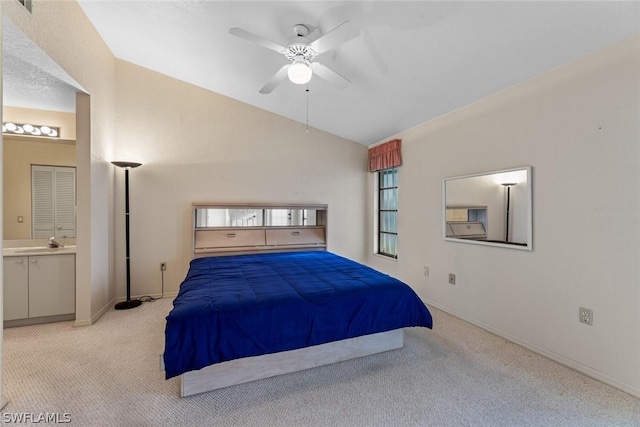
125,305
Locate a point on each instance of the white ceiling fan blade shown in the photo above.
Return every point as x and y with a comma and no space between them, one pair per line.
342,33
326,73
277,78
244,34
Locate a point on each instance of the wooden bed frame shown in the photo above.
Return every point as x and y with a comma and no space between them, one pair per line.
221,241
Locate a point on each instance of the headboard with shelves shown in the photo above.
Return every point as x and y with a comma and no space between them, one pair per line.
249,228
466,222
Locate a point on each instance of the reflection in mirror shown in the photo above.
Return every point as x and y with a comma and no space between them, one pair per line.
216,217
284,217
39,198
492,208
223,217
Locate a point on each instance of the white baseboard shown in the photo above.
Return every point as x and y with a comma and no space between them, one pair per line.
586,370
110,304
95,317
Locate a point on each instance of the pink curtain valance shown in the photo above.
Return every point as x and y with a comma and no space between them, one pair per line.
385,156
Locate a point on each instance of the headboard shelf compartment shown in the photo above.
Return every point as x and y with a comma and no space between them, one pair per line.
232,229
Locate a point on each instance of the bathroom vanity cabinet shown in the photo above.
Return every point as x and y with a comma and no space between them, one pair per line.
39,288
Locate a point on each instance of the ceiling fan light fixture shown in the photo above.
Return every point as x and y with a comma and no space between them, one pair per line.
299,72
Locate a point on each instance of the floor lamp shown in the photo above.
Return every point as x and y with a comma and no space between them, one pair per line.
508,185
129,303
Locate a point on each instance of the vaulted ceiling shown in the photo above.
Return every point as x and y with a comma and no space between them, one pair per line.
411,62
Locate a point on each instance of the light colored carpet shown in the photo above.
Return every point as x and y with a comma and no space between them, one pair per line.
456,375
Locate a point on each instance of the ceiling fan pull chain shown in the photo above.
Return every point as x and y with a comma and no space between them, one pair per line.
307,90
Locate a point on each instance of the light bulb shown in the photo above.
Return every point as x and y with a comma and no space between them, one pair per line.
299,72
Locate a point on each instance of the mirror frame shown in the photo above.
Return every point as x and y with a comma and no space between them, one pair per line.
529,209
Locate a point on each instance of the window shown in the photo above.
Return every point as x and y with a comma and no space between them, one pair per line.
388,212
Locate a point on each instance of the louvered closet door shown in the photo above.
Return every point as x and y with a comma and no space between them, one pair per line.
65,202
53,191
42,201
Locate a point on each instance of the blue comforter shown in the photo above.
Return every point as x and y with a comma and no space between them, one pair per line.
248,305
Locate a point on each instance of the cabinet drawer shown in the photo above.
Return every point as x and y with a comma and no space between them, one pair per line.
296,236
228,238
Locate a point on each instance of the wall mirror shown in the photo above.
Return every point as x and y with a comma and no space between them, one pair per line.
490,208
39,188
254,217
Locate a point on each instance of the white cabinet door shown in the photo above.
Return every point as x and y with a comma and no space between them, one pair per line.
65,205
16,288
42,202
52,285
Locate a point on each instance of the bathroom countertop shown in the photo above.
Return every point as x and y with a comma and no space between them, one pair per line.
39,250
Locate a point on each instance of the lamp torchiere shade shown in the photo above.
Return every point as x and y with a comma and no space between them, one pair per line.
127,165
129,303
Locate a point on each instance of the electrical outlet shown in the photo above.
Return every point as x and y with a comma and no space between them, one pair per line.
426,271
586,316
163,266
452,279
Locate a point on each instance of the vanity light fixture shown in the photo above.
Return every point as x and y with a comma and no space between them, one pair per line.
30,130
508,185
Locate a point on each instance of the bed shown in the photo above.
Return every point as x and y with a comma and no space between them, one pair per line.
246,316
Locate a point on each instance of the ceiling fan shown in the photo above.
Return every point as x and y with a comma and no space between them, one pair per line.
301,52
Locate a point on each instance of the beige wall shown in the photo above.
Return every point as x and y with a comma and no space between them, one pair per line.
21,152
579,127
196,145
63,32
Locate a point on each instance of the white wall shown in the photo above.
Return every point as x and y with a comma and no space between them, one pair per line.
199,146
579,127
